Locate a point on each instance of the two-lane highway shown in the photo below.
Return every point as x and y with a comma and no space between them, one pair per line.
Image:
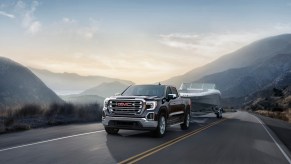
238,138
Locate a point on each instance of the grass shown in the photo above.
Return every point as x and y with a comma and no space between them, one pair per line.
285,115
34,116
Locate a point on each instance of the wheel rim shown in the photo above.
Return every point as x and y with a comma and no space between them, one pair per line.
188,120
162,125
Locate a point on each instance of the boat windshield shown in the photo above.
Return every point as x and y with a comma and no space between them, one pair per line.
197,86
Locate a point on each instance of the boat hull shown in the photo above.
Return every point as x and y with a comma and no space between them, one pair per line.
204,104
204,97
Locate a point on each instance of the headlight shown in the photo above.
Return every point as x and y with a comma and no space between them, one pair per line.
151,105
105,105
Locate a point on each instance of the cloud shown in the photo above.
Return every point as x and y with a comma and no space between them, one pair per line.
68,20
126,65
90,30
73,28
7,14
206,45
213,45
34,27
28,19
283,27
87,32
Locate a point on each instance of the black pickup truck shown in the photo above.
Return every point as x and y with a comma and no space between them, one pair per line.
146,107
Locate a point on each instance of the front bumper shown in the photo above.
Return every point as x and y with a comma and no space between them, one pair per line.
129,123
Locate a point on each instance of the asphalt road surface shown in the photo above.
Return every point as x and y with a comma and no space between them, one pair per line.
237,138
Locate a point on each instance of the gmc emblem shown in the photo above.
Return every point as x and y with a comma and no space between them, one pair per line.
124,104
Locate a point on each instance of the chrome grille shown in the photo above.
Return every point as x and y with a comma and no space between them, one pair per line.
131,107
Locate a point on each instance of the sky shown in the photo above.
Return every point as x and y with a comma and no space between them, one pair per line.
144,41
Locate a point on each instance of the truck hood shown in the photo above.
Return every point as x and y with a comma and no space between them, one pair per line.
136,97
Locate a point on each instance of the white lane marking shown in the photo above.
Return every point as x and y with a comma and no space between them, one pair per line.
282,151
51,140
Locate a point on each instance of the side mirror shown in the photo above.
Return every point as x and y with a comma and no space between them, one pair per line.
164,100
117,94
172,96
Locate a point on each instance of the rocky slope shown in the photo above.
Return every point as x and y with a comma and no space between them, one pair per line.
241,82
249,55
19,86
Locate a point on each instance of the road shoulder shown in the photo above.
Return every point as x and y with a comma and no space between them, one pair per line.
280,130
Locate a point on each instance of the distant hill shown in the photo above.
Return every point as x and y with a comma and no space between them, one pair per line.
71,82
96,94
249,55
19,86
280,84
241,82
83,99
106,89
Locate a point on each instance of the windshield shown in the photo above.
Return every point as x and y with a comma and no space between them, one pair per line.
145,90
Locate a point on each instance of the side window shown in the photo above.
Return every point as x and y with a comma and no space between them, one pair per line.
174,91
168,91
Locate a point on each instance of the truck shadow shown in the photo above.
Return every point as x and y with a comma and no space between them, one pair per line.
130,143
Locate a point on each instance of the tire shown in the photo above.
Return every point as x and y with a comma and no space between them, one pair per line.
162,127
219,114
222,110
111,130
186,123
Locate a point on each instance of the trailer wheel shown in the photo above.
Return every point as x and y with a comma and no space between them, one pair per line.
219,113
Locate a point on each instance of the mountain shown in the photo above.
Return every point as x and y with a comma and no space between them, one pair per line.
249,55
241,82
106,89
68,83
19,86
96,94
280,86
270,100
83,99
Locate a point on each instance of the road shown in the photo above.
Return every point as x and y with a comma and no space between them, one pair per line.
237,138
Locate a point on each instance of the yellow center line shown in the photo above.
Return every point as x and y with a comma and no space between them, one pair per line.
149,152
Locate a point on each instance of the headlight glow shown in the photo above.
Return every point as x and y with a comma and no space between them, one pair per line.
151,105
105,105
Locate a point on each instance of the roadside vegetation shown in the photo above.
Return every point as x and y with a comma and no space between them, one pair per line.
278,105
34,116
285,115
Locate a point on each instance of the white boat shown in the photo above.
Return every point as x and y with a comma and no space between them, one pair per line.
204,98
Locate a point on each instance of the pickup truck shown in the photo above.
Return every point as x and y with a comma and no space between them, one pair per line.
146,107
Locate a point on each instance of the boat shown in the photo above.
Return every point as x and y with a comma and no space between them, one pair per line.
205,98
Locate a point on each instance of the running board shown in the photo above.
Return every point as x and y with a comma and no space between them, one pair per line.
175,124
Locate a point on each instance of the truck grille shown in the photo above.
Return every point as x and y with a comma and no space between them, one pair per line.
126,107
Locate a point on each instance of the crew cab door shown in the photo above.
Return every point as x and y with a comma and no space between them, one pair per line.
179,103
174,107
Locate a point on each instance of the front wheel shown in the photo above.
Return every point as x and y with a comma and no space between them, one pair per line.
111,130
161,129
186,124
